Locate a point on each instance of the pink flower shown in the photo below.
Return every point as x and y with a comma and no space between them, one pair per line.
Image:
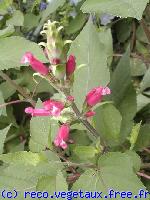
70,65
90,113
37,112
96,94
37,65
62,136
54,107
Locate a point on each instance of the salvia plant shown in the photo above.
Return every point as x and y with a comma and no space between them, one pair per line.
74,99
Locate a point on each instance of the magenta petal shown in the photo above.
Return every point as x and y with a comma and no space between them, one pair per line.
62,136
90,114
71,65
37,112
37,65
95,95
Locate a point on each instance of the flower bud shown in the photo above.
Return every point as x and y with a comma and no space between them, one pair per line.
70,66
70,98
55,44
62,136
36,65
96,94
90,113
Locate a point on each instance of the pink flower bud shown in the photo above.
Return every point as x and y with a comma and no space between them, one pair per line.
55,61
37,112
70,65
55,107
37,65
70,98
90,113
96,94
62,136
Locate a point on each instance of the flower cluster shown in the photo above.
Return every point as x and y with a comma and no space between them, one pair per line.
60,68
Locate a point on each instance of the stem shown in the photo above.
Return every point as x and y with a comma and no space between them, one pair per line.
133,39
134,55
70,164
11,102
88,165
17,87
145,28
84,121
147,150
11,137
143,175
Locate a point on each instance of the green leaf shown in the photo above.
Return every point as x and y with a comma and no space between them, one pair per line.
4,4
105,37
135,159
108,122
91,58
146,81
52,184
124,95
40,132
52,7
143,139
76,24
134,135
29,158
116,172
142,101
16,20
9,30
138,68
124,8
10,58
140,35
123,29
3,134
30,21
24,169
80,137
6,90
43,131
78,127
85,153
3,109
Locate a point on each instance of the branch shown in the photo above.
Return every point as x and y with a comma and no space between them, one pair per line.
134,55
147,150
145,28
143,175
11,102
17,87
